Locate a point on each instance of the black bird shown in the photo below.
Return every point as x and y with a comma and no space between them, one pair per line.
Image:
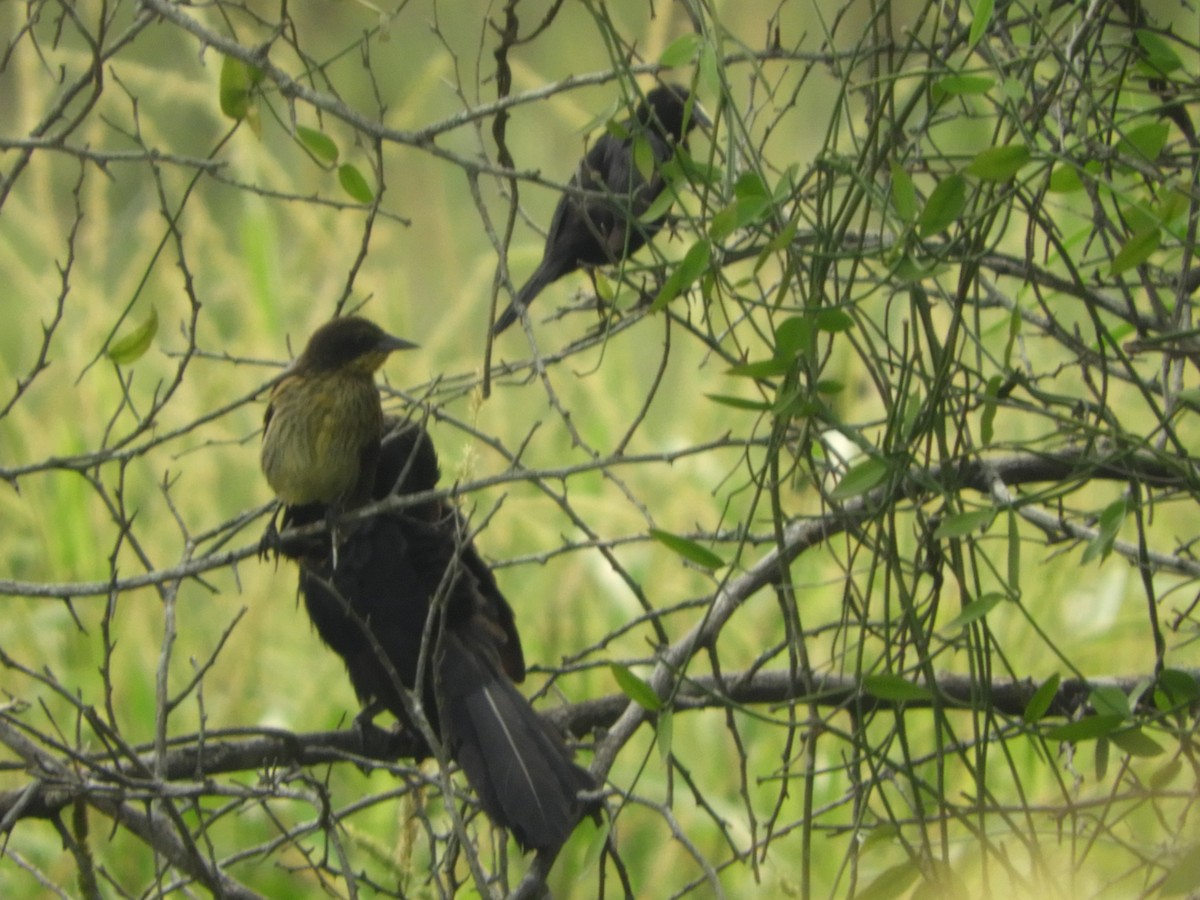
394,573
596,230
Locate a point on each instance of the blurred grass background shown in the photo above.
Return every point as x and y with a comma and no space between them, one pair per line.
268,270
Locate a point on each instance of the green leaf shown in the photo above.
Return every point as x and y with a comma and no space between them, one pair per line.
763,368
980,21
688,549
987,418
661,204
1014,553
1086,729
1136,250
236,81
1145,141
1162,777
635,688
1180,687
643,157
833,320
904,194
944,206
1110,701
1160,58
739,402
792,338
723,223
318,144
1136,742
974,611
999,163
354,184
893,882
861,478
680,51
131,347
1103,746
1110,522
1041,699
694,264
1065,179
962,524
960,85
892,687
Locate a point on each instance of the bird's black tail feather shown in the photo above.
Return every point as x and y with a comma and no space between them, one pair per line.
545,275
518,767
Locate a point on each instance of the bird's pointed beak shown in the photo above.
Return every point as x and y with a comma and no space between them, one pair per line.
390,343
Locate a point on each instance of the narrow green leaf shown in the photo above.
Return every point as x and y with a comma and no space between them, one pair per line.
1146,141
635,688
999,163
643,157
793,337
354,184
1136,742
974,611
1041,699
750,184
131,347
1103,746
1160,57
833,320
1162,777
694,264
1109,523
680,51
1065,179
318,144
887,686
234,86
962,524
661,204
987,417
944,206
739,402
904,194
723,223
980,21
1180,687
688,549
1136,250
861,478
891,883
1086,729
964,85
1110,701
1014,553
763,368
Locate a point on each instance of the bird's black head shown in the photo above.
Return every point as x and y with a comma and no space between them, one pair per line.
664,109
349,343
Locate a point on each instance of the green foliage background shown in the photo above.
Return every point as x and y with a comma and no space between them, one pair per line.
240,243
